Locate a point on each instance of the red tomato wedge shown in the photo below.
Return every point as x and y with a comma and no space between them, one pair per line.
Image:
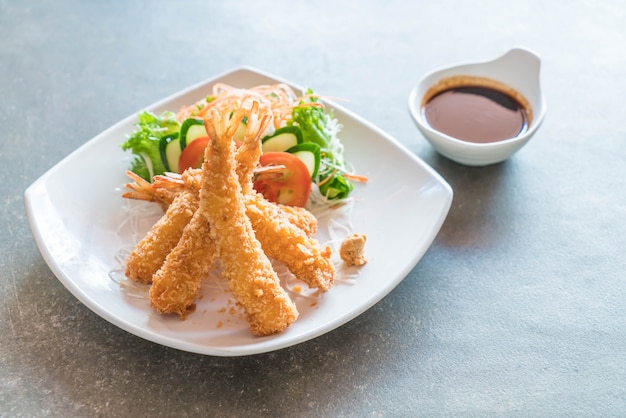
193,154
293,187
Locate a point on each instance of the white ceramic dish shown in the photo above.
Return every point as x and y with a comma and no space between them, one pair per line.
79,222
519,68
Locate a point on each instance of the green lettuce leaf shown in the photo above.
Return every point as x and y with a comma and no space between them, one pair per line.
321,127
144,142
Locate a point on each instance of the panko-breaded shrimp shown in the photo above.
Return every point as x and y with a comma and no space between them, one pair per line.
141,189
302,255
285,232
148,255
176,284
249,272
180,204
299,217
191,179
279,239
248,154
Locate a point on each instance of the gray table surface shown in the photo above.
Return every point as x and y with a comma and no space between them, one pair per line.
517,309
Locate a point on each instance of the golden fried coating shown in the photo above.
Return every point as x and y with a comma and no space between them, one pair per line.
176,284
249,272
148,255
191,179
352,250
276,227
281,240
299,217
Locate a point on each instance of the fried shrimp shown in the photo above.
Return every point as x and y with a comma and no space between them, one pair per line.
249,152
166,187
281,240
215,223
179,204
285,232
140,189
249,272
191,179
299,217
176,284
149,254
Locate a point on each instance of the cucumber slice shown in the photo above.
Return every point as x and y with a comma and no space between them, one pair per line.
190,130
283,139
169,148
309,153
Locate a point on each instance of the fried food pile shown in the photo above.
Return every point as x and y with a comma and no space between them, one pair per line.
213,216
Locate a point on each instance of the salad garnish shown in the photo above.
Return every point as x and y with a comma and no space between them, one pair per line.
301,128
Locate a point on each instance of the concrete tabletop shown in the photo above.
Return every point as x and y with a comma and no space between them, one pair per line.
518,307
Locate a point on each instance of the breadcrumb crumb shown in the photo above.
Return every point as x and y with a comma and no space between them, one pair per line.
352,250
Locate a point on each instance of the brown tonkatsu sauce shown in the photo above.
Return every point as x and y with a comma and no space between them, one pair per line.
476,113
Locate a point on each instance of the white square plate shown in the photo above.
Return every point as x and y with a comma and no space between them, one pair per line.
77,217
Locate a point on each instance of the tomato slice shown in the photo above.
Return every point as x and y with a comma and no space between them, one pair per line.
193,154
293,187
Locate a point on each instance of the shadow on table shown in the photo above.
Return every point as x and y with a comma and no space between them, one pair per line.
484,203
